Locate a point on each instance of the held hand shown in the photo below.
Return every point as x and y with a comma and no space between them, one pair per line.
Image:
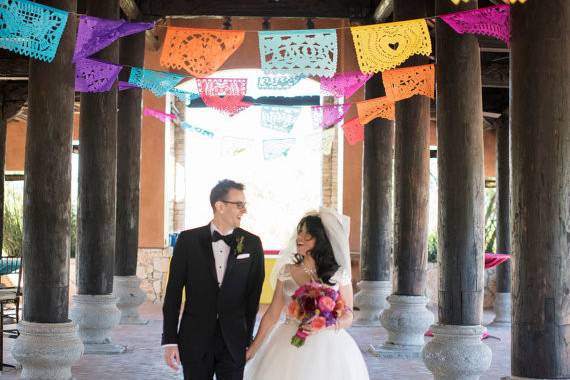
310,330
248,354
172,357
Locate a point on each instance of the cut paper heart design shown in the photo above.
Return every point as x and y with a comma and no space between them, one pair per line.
382,47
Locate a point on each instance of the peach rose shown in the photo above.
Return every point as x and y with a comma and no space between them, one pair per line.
326,303
318,323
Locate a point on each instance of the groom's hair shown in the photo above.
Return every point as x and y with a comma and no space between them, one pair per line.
220,191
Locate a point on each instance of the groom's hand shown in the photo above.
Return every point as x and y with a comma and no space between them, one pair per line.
172,357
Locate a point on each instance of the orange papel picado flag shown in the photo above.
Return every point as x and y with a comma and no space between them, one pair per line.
199,51
369,110
406,82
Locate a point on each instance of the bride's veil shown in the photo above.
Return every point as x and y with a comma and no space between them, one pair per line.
337,228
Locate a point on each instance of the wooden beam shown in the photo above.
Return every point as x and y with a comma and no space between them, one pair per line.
359,9
270,100
495,75
130,9
384,9
489,44
13,67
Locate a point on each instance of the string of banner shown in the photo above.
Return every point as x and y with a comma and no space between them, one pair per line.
286,57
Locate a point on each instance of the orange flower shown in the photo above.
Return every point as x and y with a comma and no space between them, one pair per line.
293,309
318,323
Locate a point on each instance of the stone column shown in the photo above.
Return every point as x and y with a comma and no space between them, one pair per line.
503,295
376,240
407,318
540,136
456,352
95,309
48,344
126,285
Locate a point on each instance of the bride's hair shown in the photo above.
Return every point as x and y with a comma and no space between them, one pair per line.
322,253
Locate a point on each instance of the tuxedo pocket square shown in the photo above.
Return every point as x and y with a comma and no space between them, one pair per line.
242,256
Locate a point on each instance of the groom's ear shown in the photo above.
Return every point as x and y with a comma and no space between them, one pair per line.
218,207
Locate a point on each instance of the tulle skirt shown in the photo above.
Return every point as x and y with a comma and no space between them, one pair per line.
330,355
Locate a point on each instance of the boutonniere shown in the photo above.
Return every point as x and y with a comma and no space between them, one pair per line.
239,245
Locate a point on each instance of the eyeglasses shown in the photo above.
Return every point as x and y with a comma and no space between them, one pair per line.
239,205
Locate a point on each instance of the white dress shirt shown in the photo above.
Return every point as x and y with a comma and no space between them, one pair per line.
221,252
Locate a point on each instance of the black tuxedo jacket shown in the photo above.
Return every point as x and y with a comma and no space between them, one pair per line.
235,303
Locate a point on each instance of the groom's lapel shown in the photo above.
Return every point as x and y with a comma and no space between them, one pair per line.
231,258
206,241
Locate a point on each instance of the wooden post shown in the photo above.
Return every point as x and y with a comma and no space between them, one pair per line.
376,234
95,305
48,344
126,284
128,162
377,170
97,175
503,302
460,168
503,204
407,317
540,128
47,185
456,351
411,176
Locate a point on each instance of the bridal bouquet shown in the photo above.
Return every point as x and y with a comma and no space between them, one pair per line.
316,305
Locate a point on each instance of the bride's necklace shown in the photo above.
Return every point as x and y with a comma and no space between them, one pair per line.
311,272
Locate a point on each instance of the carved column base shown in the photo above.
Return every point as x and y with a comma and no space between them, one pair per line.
456,352
130,297
502,309
406,320
371,300
96,316
47,350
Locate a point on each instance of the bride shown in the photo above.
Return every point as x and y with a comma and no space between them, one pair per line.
319,252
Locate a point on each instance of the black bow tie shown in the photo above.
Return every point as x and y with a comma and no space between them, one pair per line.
228,239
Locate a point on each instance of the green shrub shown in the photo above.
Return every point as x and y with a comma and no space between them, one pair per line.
432,247
13,224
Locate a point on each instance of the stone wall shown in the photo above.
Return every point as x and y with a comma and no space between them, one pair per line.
152,269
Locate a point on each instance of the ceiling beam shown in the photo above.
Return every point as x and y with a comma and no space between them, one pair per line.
12,67
357,9
495,75
491,45
130,9
384,9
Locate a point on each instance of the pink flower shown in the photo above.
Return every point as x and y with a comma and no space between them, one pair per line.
318,323
299,292
326,304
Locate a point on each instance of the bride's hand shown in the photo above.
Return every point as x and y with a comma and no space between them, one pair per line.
249,354
310,330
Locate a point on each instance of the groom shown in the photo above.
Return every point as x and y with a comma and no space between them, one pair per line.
220,266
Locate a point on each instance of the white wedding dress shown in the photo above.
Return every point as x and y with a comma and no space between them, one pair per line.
329,354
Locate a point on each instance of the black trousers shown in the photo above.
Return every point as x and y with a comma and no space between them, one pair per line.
217,361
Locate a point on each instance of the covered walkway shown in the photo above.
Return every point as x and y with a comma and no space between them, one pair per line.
143,358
